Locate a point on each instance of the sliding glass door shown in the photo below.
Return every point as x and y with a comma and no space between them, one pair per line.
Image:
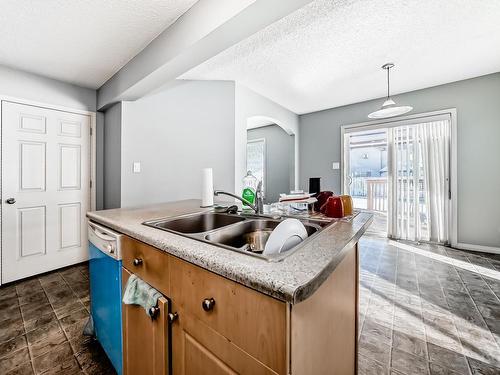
366,172
412,184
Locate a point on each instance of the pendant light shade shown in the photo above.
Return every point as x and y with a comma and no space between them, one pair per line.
389,108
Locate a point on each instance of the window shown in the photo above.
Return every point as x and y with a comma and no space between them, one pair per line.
256,159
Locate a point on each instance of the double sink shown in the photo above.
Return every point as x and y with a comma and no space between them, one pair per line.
244,233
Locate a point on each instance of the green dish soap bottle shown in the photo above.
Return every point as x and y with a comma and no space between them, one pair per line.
249,188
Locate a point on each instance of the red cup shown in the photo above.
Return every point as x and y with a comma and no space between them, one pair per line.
334,207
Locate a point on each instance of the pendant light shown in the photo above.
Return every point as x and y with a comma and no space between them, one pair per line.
389,108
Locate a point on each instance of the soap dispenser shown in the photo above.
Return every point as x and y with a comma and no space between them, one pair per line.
249,188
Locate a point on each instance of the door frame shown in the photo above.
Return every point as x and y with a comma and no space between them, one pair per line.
264,166
93,154
384,123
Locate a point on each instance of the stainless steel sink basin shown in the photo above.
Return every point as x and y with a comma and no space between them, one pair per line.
245,234
250,235
197,223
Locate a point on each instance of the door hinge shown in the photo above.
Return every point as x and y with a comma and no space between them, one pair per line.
90,131
91,184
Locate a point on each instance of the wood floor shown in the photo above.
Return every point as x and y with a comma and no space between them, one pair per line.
424,310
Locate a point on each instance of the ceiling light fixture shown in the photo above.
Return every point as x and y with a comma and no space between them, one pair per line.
389,108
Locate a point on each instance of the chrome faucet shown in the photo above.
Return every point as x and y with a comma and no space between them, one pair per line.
258,207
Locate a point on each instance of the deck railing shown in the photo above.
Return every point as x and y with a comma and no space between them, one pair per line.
374,189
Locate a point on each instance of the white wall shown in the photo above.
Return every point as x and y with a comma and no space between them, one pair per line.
477,102
248,104
22,85
174,134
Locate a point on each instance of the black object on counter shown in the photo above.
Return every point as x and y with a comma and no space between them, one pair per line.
314,185
322,198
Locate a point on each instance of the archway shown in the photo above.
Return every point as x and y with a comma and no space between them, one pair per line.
271,154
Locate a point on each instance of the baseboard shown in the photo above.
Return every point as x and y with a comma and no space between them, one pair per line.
479,248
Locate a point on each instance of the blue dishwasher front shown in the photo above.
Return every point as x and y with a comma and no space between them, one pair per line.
105,291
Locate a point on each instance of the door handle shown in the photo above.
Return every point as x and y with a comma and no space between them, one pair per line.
10,201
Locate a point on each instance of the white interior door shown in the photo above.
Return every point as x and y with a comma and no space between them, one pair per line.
45,189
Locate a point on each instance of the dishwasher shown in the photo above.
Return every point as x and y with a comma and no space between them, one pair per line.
105,290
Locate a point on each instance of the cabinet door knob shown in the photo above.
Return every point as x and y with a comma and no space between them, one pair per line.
137,261
153,312
208,304
172,317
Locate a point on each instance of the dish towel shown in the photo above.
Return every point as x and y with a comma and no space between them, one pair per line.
138,292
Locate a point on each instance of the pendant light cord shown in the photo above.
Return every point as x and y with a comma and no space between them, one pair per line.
388,91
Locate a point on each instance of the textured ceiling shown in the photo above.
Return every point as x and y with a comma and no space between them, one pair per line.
82,42
329,53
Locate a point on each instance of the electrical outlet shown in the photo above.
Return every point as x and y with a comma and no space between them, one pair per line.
136,167
335,165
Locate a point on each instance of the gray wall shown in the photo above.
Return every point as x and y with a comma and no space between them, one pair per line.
250,104
174,135
99,168
279,159
23,85
112,156
477,102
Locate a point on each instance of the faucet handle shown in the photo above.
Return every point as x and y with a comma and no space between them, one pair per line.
259,186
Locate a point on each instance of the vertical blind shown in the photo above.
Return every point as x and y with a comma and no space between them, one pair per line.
419,175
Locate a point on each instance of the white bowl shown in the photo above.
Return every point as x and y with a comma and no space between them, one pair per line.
288,233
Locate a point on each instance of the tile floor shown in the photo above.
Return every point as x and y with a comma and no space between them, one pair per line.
427,309
423,310
41,323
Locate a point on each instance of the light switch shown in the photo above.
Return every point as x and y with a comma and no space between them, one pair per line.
136,167
335,165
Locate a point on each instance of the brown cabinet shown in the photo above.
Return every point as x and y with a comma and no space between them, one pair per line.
145,340
148,263
251,320
200,350
223,327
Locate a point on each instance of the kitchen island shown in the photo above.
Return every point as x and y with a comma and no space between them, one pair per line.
230,312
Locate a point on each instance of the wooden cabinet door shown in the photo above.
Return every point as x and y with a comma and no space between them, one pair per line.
250,320
199,350
145,340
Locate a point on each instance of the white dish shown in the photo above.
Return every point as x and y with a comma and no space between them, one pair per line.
288,233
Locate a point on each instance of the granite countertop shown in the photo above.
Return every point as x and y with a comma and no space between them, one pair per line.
292,280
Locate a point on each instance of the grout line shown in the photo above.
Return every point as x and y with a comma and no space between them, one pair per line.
481,276
370,291
59,322
477,308
452,315
30,354
393,305
422,314
44,291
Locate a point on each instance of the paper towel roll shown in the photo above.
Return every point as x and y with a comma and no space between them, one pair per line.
207,188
